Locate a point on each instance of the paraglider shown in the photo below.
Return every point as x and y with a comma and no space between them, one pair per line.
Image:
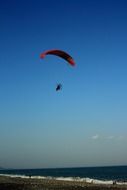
61,54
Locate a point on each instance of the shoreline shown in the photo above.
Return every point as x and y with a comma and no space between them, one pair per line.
18,183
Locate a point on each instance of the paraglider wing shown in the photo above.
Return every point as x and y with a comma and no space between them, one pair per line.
59,53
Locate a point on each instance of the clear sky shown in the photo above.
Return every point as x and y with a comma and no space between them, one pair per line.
85,124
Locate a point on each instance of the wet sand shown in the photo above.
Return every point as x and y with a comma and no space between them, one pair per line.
9,183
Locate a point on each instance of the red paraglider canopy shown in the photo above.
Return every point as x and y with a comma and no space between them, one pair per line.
59,53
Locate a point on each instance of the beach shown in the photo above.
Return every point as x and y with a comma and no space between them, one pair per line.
18,183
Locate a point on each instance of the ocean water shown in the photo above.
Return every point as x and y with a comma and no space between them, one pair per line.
89,174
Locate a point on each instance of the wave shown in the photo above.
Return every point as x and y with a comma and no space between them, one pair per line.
77,179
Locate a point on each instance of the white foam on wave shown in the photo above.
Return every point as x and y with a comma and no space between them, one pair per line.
14,175
23,176
121,183
87,180
78,179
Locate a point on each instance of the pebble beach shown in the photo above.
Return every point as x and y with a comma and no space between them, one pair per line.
17,183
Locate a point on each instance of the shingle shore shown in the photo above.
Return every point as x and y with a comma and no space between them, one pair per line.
9,183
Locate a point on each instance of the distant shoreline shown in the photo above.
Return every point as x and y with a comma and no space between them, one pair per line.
17,183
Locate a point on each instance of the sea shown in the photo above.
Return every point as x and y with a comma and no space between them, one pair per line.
97,175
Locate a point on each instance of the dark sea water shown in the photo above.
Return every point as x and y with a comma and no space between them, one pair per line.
117,173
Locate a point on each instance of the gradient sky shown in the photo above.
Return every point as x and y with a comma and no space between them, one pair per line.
85,124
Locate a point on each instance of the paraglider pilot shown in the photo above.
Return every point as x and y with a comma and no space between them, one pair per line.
58,87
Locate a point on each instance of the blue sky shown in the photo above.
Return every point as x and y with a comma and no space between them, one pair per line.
83,125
